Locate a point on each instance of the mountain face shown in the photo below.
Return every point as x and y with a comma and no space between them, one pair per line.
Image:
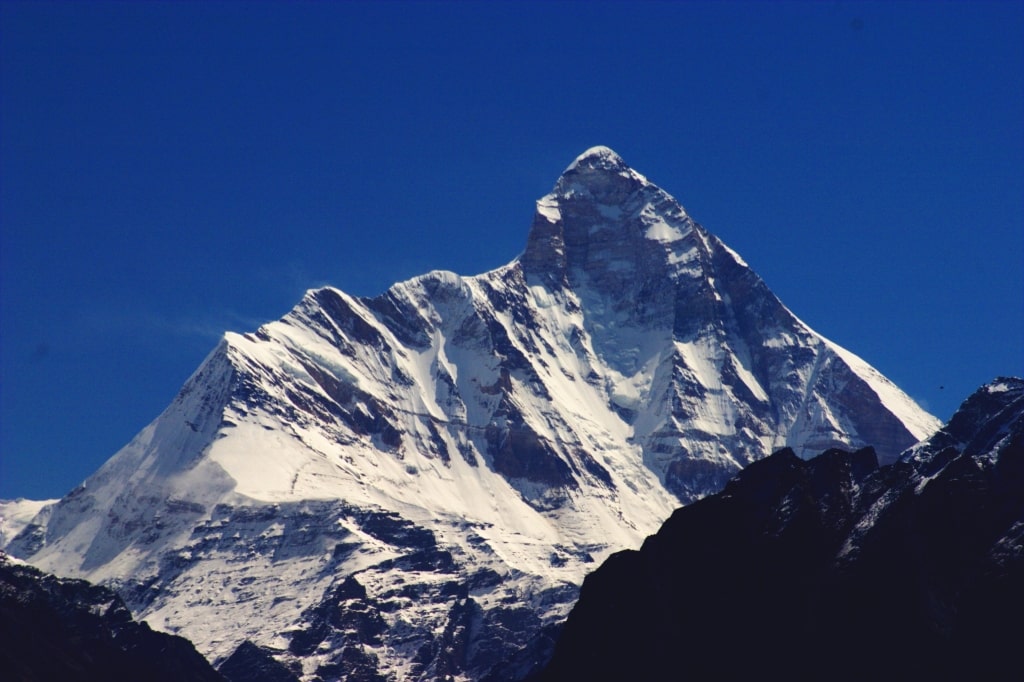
413,486
831,568
59,629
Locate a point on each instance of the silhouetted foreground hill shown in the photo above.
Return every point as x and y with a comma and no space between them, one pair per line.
58,629
831,568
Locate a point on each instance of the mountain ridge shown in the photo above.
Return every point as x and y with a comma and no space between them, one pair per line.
56,628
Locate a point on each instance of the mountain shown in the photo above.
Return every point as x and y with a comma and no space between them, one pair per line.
413,486
831,568
59,629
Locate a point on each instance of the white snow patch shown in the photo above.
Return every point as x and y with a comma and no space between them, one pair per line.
663,232
15,515
548,207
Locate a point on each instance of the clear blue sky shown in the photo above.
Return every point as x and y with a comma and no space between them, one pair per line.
171,171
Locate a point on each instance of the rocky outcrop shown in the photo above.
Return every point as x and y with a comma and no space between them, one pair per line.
60,629
252,663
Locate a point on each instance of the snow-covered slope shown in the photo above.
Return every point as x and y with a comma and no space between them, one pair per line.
414,485
15,515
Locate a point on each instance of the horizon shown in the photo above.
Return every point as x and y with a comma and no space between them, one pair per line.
172,172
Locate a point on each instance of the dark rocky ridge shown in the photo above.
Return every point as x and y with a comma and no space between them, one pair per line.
60,629
253,663
828,569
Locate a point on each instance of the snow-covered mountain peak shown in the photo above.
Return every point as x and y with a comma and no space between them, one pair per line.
604,221
600,175
598,156
444,462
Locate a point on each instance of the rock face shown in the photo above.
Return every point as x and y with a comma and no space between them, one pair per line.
828,569
413,486
59,629
251,663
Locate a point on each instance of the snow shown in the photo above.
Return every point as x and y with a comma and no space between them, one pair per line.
548,207
748,379
917,421
15,515
598,153
735,256
663,232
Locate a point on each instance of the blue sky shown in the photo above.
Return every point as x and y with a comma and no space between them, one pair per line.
169,171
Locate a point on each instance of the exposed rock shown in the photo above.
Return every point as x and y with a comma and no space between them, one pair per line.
252,663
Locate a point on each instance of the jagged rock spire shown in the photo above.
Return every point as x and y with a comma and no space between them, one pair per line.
603,221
